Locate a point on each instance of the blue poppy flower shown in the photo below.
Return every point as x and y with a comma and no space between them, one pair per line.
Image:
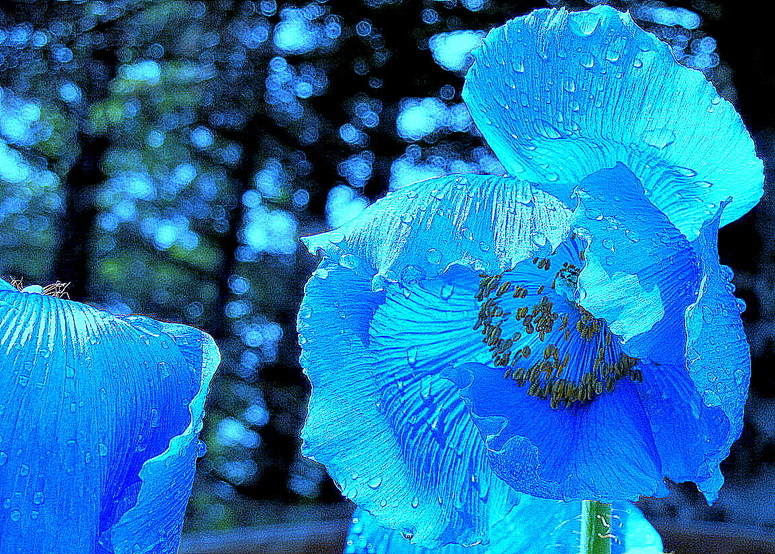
534,525
565,331
99,429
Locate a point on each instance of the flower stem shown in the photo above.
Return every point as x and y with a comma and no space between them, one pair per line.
595,527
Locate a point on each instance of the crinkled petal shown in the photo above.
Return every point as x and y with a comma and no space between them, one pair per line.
155,522
691,438
89,399
718,354
601,450
534,525
481,221
560,95
640,273
393,434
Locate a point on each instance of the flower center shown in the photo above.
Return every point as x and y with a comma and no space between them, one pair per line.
543,338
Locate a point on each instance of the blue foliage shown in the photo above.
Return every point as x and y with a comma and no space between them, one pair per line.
556,332
101,417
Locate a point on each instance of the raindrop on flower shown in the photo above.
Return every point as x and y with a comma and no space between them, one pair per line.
375,483
447,290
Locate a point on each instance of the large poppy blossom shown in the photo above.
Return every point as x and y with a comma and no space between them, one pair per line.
565,331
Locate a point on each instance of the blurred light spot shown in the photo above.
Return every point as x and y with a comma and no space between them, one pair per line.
70,93
473,5
148,71
350,134
356,169
238,284
232,432
300,198
265,230
343,204
363,28
452,51
429,16
202,137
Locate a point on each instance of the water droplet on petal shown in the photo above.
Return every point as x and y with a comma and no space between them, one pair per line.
547,130
411,355
69,372
24,469
569,85
377,283
615,49
16,515
608,243
433,256
38,498
349,261
335,237
447,290
3,458
659,138
375,483
587,60
103,449
415,502
321,273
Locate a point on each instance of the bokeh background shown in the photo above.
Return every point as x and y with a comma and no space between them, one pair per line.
164,156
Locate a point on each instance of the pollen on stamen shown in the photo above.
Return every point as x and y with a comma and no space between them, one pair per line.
548,376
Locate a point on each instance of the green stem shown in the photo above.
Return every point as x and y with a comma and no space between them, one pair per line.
595,527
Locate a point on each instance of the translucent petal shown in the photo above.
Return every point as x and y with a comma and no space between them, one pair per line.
486,222
390,430
560,95
641,273
88,400
718,355
534,525
601,449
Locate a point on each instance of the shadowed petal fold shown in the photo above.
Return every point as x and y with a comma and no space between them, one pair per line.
559,95
91,404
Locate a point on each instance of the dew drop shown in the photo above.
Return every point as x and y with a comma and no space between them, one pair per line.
349,261
411,355
24,469
608,243
335,237
70,372
433,256
447,290
704,184
594,214
38,498
569,85
637,63
547,130
375,483
103,449
377,283
437,194
16,515
321,273
685,171
154,417
659,138
305,312
415,502
3,458
587,60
